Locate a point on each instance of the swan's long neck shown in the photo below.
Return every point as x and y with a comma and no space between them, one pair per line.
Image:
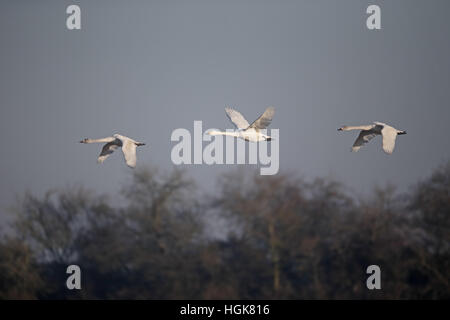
223,133
348,128
97,140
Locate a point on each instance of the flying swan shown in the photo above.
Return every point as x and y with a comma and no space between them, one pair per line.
368,132
246,131
112,143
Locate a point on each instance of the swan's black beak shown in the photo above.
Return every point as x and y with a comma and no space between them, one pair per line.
339,129
402,132
140,144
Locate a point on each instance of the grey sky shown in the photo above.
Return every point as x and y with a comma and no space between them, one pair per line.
144,68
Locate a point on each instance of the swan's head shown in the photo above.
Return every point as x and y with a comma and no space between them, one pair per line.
401,132
213,132
341,128
116,135
85,140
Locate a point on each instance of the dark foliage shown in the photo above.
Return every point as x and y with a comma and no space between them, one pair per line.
286,238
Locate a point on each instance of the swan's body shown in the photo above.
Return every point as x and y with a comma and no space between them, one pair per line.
112,143
245,130
368,132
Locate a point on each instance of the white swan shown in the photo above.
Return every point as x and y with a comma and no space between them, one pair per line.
368,132
245,130
112,143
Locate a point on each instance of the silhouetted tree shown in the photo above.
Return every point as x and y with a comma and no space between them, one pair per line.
19,272
286,238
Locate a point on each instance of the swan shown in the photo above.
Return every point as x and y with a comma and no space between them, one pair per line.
246,131
112,143
368,132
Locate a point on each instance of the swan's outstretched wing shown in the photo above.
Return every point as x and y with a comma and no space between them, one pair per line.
364,137
129,152
108,149
264,120
237,118
389,135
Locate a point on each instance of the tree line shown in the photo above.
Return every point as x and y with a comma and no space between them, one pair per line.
282,237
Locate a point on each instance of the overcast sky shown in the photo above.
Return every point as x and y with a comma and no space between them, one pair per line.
145,68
